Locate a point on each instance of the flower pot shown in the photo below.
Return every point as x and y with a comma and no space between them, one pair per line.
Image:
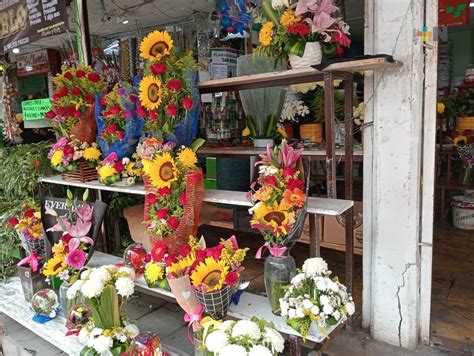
278,273
262,142
312,56
289,129
85,129
465,123
312,132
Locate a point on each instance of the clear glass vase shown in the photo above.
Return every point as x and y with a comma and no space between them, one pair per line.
67,304
278,273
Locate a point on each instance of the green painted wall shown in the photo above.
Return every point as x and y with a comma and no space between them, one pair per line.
462,50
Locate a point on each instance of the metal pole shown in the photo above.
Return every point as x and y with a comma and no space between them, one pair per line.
329,111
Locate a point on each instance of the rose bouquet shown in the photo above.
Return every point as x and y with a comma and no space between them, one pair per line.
295,27
67,155
106,289
72,112
313,298
110,169
254,337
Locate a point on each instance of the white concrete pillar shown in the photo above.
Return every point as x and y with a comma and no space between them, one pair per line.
392,174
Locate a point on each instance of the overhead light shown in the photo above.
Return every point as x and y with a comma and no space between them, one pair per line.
122,19
471,4
16,50
125,21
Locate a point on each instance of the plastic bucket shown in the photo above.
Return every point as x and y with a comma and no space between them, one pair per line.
463,212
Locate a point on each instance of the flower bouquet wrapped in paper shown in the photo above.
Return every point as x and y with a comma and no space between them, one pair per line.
31,230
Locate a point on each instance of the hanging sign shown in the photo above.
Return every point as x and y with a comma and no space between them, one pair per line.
32,63
35,109
453,12
26,21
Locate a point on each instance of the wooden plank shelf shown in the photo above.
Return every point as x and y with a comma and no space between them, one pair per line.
295,76
320,206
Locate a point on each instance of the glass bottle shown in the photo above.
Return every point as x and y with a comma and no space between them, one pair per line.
278,273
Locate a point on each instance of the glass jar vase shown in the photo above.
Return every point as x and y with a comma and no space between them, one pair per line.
67,304
278,273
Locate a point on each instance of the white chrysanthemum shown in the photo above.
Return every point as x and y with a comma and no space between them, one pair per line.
103,343
300,313
85,274
72,290
315,266
127,272
130,331
300,277
234,350
125,286
291,313
350,308
328,309
92,288
83,336
336,315
226,325
274,338
307,304
216,341
260,350
324,300
246,328
100,275
315,310
333,286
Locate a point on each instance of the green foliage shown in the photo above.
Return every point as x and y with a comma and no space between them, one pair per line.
106,309
459,105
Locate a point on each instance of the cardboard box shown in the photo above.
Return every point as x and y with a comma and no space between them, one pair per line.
135,217
31,282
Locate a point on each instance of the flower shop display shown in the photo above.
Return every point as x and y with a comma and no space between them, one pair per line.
78,316
106,289
314,300
135,256
254,337
133,171
279,208
167,91
72,112
292,111
76,160
155,269
45,305
302,31
175,189
31,232
110,169
119,126
146,343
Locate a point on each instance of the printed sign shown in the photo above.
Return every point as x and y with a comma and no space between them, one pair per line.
26,21
453,12
223,63
32,63
35,109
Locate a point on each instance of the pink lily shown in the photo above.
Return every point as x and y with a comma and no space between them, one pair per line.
80,228
84,212
320,23
288,156
326,6
304,6
75,242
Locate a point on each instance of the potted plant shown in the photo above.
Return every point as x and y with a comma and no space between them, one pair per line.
293,110
459,108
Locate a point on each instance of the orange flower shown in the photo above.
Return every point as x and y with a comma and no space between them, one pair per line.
264,193
294,197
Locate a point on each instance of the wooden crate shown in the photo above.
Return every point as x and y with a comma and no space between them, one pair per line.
84,173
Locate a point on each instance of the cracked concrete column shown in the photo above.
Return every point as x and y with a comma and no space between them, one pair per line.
392,174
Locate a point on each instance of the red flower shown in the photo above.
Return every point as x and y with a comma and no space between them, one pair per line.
342,38
89,98
200,256
80,73
93,77
158,251
171,110
231,278
62,92
61,111
76,113
68,151
111,129
270,180
120,135
294,183
76,91
301,28
339,51
66,238
103,101
184,250
187,103
158,68
289,172
115,109
173,222
215,251
141,112
50,114
174,84
170,259
151,198
182,198
68,75
153,115
12,222
119,166
162,213
164,192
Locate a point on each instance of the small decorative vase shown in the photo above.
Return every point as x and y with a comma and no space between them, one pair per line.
312,56
278,273
67,304
85,129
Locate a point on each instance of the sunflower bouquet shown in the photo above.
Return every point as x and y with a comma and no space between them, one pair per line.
166,90
67,154
73,102
110,169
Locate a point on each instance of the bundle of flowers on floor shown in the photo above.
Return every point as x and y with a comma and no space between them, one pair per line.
315,300
67,155
254,337
106,289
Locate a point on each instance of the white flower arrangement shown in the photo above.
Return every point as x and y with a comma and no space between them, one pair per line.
292,110
254,337
313,297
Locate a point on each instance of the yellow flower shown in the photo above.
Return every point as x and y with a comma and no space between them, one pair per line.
156,45
133,169
187,157
54,266
246,132
91,154
460,140
289,18
153,272
182,264
150,92
209,274
106,172
57,158
162,170
282,132
440,108
266,34
58,249
275,216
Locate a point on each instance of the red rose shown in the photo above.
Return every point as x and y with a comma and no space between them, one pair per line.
270,180
184,250
153,115
115,109
171,110
50,114
68,75
151,198
141,112
164,192
119,166
103,101
294,183
158,251
174,84
62,92
76,91
89,98
12,222
170,259
68,151
29,213
80,73
182,198
120,135
288,172
111,129
162,213
187,103
339,51
93,77
158,68
231,278
76,114
61,111
66,238
173,222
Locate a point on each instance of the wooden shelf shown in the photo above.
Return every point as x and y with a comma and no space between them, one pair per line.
452,184
295,76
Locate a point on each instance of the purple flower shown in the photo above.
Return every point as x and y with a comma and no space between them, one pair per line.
76,259
121,91
133,98
111,158
169,146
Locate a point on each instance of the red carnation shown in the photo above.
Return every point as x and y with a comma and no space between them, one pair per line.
153,115
182,198
171,109
289,172
184,250
120,135
187,103
173,222
93,77
68,151
162,213
80,73
29,213
68,75
62,92
76,113
151,198
158,251
111,129
294,183
119,166
115,109
141,112
103,101
170,259
231,278
12,222
50,114
158,68
76,91
270,180
89,98
66,238
164,192
174,84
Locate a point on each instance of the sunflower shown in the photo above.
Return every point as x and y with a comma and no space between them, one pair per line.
210,274
182,264
162,170
294,197
156,45
275,216
54,266
150,92
289,18
91,154
187,157
106,172
266,34
57,158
